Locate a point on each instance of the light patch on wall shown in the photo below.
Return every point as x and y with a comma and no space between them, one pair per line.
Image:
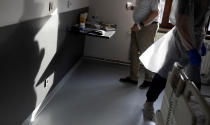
54,13
209,27
41,94
68,5
33,116
47,39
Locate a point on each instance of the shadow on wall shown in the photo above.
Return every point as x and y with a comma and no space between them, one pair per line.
70,48
20,61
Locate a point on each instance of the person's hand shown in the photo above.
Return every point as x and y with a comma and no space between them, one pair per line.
203,50
135,28
195,58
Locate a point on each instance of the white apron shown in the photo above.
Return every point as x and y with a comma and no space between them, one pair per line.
154,57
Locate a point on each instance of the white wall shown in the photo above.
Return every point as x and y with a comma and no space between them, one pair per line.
12,12
116,48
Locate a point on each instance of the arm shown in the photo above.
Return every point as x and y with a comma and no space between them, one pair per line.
150,17
182,25
185,23
185,28
153,14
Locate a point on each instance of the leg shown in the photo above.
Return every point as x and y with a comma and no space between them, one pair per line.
176,53
147,80
159,80
158,84
135,63
148,75
145,39
134,57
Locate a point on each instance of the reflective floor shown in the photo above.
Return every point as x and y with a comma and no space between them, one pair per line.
93,95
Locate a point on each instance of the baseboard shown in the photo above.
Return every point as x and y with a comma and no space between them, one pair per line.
106,60
50,96
110,61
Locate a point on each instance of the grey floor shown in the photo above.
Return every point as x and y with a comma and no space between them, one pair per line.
93,95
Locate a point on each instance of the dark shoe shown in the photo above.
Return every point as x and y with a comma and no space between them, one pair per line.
145,84
128,80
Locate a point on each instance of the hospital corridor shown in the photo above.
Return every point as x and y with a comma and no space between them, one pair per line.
104,62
